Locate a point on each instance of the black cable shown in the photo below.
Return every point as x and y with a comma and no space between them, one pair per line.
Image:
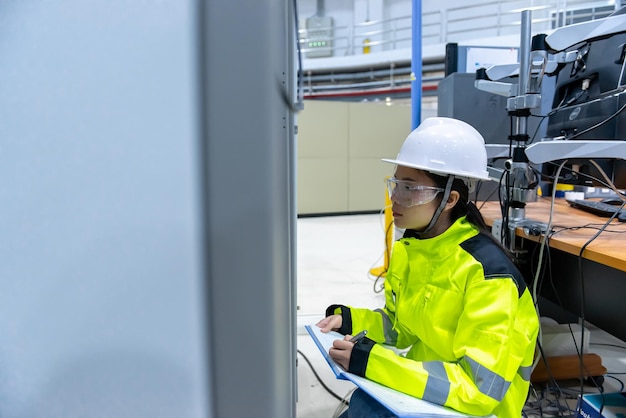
339,398
486,199
587,226
543,117
504,209
382,287
388,254
546,269
597,125
532,138
538,400
582,313
549,269
556,293
609,345
580,174
550,375
621,389
300,93
582,303
505,200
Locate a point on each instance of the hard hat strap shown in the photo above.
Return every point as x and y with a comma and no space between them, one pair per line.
444,200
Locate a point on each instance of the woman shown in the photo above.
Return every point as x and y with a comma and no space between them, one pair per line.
453,298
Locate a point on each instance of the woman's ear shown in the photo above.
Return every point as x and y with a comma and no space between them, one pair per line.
452,199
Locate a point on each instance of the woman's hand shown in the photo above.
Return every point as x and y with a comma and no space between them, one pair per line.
341,351
330,323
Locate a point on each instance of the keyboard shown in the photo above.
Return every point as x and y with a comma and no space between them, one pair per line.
598,208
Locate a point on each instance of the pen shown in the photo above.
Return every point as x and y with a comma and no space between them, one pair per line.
358,337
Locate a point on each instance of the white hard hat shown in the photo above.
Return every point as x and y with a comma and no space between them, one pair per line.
445,146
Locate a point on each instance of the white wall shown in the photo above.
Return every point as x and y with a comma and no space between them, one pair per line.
346,12
479,22
339,161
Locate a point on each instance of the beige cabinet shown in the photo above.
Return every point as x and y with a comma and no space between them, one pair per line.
340,146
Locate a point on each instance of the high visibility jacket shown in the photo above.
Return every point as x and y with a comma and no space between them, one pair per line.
463,310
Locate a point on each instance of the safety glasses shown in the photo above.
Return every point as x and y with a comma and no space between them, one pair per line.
408,193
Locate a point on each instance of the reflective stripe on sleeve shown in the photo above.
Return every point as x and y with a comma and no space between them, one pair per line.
437,385
391,336
525,372
488,382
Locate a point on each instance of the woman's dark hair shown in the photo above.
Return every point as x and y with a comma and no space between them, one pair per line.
465,207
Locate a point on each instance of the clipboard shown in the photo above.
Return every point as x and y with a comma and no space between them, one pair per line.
401,404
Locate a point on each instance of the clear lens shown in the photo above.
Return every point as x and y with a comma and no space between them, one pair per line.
409,193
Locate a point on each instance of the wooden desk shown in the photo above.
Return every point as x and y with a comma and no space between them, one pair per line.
594,285
609,248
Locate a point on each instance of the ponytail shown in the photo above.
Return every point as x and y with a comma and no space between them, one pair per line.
465,207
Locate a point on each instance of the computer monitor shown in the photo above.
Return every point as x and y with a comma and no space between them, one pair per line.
588,104
487,112
470,58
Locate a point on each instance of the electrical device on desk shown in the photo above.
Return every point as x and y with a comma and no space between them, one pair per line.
588,105
588,61
599,208
601,405
518,179
589,101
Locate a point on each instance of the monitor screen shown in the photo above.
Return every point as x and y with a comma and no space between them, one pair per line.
603,118
588,104
468,59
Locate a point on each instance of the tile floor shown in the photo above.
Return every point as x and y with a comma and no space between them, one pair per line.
335,255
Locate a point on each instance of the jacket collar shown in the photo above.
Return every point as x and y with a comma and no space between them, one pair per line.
458,232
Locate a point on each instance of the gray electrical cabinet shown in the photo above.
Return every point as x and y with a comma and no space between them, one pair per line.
319,34
486,112
457,97
146,209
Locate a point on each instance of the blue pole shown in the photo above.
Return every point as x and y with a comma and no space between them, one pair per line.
416,65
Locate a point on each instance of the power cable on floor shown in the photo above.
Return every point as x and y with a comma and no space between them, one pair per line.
380,287
329,390
343,404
